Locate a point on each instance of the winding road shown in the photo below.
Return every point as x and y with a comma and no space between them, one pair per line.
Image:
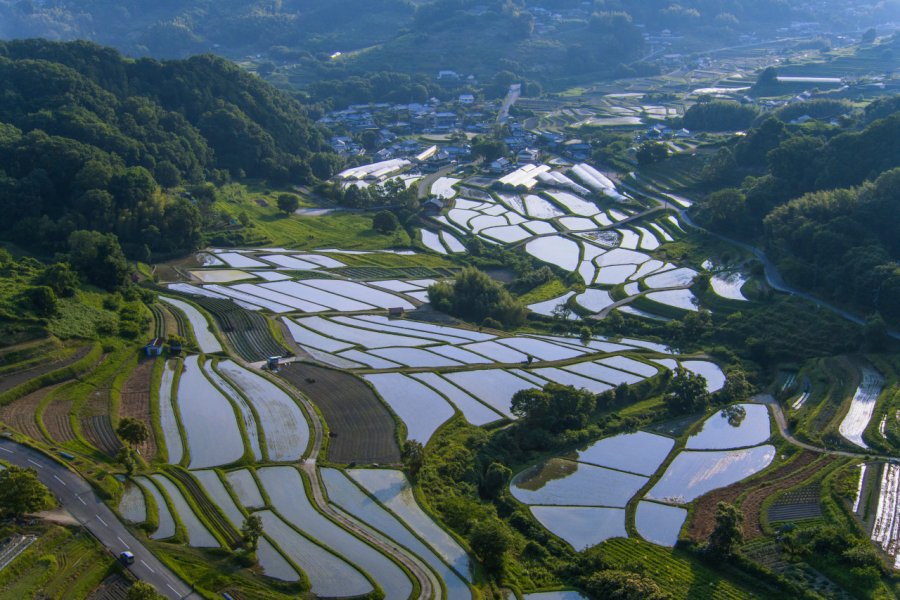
79,499
773,276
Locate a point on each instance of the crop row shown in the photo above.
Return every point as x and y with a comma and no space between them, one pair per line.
210,511
247,331
681,576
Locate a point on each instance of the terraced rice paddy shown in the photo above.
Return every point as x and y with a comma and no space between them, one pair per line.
208,418
692,474
216,491
221,275
166,527
715,378
288,496
494,387
681,299
273,564
392,489
640,452
283,423
659,523
244,486
556,250
736,426
329,575
206,341
886,529
132,506
474,411
582,526
420,408
547,307
167,418
862,406
728,285
566,483
198,535
247,416
443,187
346,495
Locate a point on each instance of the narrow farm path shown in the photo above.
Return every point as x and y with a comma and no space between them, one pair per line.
428,583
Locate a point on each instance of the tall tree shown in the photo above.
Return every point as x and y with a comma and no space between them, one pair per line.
251,530
141,590
22,492
133,431
728,532
413,456
686,392
288,203
490,541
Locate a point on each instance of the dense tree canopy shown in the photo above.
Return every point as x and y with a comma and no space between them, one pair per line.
87,137
22,492
475,296
822,200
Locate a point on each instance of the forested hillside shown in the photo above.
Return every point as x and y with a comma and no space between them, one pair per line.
87,138
823,199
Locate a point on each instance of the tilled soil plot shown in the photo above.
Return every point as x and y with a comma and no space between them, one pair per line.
11,380
20,414
362,429
703,519
96,424
56,420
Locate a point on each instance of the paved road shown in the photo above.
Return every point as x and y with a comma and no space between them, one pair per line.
77,497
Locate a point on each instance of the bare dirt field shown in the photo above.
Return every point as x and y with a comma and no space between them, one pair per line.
96,424
56,420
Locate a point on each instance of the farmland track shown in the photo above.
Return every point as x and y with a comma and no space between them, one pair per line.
207,507
428,583
21,414
135,403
